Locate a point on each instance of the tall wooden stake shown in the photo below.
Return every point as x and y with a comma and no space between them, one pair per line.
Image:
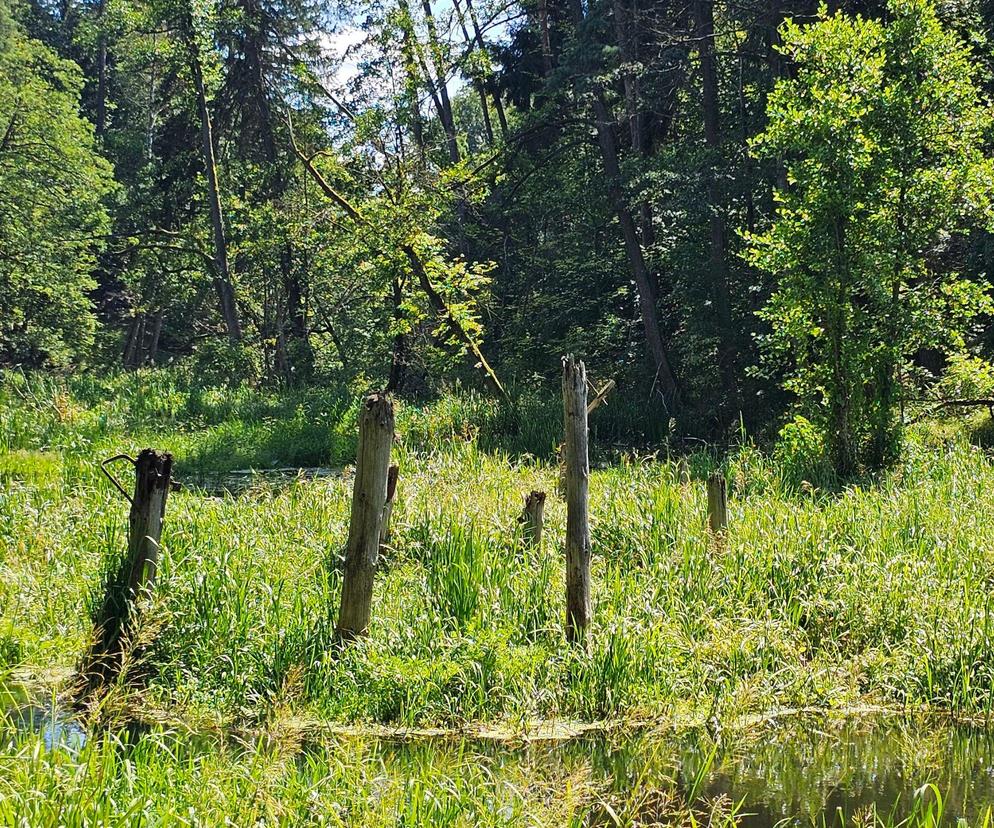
717,503
132,580
578,609
369,495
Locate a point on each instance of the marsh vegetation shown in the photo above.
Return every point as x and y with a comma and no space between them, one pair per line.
865,597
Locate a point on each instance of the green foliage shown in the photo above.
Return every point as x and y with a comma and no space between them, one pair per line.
967,377
881,131
800,452
52,183
467,628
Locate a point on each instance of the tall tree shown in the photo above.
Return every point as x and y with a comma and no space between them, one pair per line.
52,220
192,33
883,129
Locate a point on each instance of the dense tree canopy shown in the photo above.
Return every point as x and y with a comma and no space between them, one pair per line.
52,218
737,211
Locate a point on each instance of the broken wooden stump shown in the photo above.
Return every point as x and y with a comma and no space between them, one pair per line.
533,518
717,503
129,583
369,495
577,464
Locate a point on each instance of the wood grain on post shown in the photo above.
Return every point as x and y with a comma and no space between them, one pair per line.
392,474
133,579
577,464
532,518
717,503
153,477
368,499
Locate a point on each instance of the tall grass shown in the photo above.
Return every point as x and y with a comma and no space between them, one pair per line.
880,592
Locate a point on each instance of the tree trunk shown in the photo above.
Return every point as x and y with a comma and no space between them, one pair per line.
491,83
153,345
222,275
704,21
136,331
392,474
442,87
533,518
628,45
132,580
411,85
398,359
100,122
544,36
633,248
717,503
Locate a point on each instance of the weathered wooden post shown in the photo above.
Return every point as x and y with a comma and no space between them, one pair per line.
717,503
133,578
392,474
577,464
532,518
369,496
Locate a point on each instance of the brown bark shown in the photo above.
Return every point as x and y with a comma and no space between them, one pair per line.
478,83
633,247
717,504
392,474
444,104
704,23
625,27
136,333
153,345
222,275
131,582
544,36
491,83
532,518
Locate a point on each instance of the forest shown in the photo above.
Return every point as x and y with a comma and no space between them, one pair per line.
496,413
741,213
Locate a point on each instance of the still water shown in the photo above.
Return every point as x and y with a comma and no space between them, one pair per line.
802,775
807,771
800,772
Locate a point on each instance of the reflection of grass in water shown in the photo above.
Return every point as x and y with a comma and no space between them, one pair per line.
166,779
352,782
160,779
811,765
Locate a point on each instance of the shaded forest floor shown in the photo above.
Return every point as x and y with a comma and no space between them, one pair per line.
873,594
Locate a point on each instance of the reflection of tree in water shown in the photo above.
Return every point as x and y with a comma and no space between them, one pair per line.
811,770
806,771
